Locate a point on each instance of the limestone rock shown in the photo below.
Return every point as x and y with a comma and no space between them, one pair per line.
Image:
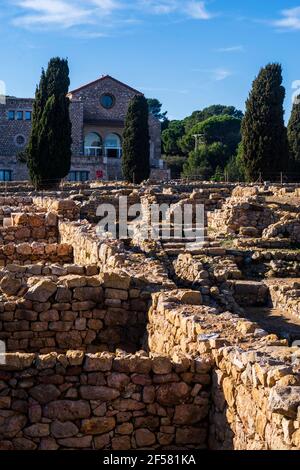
41,291
10,285
285,400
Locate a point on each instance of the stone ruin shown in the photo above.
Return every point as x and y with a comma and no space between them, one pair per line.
150,344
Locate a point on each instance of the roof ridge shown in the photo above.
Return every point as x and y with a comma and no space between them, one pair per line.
103,77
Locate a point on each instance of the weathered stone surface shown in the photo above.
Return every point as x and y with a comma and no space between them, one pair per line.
10,426
190,414
10,285
63,429
21,443
119,381
121,443
41,291
191,435
75,358
45,393
161,365
67,410
76,442
172,394
90,392
98,361
285,400
37,430
144,438
98,425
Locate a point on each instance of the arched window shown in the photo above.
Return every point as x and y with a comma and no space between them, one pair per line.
93,145
113,146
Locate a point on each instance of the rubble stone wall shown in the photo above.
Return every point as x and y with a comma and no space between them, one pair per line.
76,312
255,390
35,252
285,296
101,401
65,208
30,227
239,215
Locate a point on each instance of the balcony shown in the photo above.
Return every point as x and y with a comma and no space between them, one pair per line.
93,151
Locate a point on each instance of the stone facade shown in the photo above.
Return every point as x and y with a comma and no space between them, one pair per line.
87,116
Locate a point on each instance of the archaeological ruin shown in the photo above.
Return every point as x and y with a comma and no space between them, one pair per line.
150,343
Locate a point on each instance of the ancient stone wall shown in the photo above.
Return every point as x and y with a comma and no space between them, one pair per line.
101,401
76,312
35,252
248,216
65,208
255,389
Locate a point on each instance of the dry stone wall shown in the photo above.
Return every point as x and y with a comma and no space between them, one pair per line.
35,252
101,401
75,312
255,389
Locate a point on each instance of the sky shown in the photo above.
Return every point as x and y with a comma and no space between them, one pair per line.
187,53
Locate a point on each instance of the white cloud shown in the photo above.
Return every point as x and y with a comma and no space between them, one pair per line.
158,7
217,74
231,49
66,14
290,19
197,10
51,12
221,74
191,8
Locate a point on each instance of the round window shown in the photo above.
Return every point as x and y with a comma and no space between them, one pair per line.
107,101
20,140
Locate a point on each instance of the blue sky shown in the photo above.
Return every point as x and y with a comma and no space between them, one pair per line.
188,53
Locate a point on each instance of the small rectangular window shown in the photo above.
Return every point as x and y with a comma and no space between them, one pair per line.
5,175
79,176
11,115
28,115
19,115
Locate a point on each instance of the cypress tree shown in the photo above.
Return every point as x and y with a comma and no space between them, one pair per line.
294,136
49,148
136,149
264,136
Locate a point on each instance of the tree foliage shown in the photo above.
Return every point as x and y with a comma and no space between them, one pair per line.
224,129
155,108
204,161
171,138
48,153
210,111
294,136
234,169
263,132
136,147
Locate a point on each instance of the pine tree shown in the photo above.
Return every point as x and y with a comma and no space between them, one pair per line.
294,136
49,149
136,148
264,136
